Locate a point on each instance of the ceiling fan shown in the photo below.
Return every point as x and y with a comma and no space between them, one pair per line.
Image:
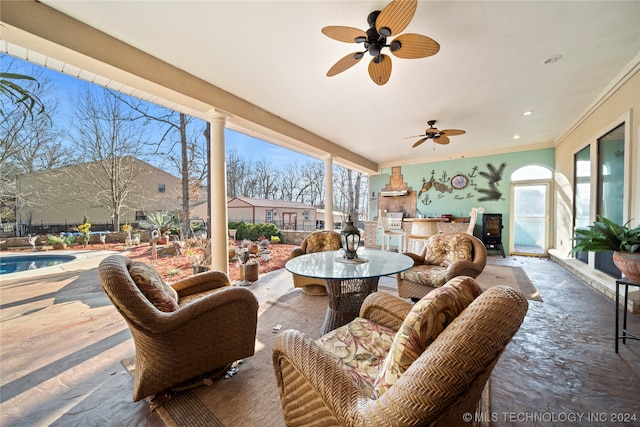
439,136
391,21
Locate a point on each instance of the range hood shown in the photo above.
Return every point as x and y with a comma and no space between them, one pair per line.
393,193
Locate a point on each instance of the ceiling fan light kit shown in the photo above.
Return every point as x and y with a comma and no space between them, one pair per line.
391,21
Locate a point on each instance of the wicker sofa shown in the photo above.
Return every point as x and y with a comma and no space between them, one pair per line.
316,241
181,330
399,364
443,257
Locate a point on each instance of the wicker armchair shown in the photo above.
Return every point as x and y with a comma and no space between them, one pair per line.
443,257
208,326
444,382
317,241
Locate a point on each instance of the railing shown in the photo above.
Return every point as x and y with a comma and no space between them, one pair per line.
10,229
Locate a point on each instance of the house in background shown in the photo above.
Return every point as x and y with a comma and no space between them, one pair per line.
66,195
338,219
284,214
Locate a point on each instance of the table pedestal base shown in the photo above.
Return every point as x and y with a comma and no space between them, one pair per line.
345,299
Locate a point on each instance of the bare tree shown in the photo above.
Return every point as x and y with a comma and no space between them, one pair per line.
29,140
289,178
267,179
310,185
350,189
185,151
108,136
241,179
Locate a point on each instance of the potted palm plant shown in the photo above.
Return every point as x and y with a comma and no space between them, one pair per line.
606,235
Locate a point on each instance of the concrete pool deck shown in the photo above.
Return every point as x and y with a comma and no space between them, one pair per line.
83,260
62,343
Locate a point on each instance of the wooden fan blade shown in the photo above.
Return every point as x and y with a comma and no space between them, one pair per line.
452,132
419,142
441,140
343,64
415,46
414,136
343,34
396,16
381,71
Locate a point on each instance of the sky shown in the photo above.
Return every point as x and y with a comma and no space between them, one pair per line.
67,87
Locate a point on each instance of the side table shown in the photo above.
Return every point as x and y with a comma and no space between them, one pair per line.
625,333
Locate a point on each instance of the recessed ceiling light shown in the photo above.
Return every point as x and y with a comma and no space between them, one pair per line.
552,60
516,136
527,113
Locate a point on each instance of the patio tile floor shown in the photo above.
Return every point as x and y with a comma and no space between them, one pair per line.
62,342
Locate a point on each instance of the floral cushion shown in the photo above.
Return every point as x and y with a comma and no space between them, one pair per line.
360,346
426,320
321,241
443,249
433,276
150,283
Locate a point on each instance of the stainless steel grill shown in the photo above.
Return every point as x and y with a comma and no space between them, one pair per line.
394,220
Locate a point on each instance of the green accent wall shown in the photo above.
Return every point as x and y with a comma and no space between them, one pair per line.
489,185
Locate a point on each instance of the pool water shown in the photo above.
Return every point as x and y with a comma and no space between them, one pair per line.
17,263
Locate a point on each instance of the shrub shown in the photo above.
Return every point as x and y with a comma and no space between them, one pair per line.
254,231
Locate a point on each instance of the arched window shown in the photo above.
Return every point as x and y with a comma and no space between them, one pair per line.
531,172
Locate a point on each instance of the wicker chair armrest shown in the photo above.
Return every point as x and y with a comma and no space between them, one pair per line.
237,300
417,259
479,252
296,252
201,282
309,377
463,268
385,309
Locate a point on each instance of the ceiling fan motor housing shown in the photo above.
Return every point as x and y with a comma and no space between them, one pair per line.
375,42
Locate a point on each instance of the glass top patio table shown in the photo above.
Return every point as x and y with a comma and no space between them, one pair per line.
348,282
327,264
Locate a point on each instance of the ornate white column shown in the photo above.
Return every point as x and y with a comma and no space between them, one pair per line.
328,193
218,193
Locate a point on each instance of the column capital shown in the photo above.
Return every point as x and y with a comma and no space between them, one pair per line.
216,115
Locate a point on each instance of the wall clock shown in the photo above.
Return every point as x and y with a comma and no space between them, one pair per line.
459,181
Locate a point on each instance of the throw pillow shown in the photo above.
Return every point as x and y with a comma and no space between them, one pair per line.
426,320
461,249
150,283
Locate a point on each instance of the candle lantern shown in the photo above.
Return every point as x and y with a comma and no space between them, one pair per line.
350,239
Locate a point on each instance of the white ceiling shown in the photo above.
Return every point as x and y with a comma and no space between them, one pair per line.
489,70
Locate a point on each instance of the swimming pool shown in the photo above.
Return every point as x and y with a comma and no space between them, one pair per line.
17,263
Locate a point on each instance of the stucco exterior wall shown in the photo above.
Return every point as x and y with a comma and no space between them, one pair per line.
65,195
